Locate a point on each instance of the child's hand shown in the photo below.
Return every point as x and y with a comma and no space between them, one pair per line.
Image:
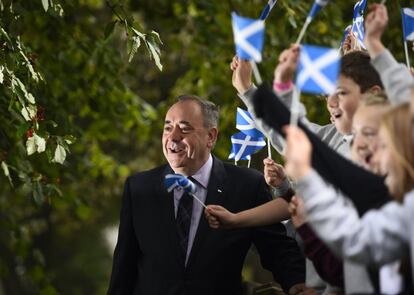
242,74
274,173
375,24
297,211
288,62
219,217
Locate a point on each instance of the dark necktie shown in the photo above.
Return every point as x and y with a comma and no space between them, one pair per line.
183,220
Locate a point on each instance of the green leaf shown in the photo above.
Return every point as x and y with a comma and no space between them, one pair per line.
109,28
45,4
30,146
136,43
38,195
157,36
69,139
60,155
155,52
6,171
28,112
22,129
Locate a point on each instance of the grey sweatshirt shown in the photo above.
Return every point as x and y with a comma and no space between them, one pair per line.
379,237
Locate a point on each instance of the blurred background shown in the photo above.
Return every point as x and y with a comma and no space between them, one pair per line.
82,102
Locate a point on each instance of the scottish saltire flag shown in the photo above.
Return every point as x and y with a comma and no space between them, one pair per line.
316,7
244,145
248,37
346,32
245,123
267,9
408,23
358,22
172,181
318,69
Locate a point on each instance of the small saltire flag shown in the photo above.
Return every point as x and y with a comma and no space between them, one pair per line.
346,32
358,22
244,145
408,23
172,181
316,7
245,123
318,70
267,9
248,37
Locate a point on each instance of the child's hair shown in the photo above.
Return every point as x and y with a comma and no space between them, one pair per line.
397,123
356,65
374,99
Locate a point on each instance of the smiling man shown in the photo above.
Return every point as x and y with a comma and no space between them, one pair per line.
165,245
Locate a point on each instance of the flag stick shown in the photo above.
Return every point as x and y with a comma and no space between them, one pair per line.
202,204
269,148
248,163
407,58
259,81
235,162
303,31
256,73
294,108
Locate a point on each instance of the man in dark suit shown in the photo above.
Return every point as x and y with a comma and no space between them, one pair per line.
165,245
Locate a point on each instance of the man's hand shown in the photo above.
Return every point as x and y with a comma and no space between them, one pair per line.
375,25
242,74
288,62
350,43
274,173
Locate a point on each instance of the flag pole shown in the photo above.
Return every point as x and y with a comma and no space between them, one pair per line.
256,73
202,204
407,57
294,109
248,163
303,31
259,81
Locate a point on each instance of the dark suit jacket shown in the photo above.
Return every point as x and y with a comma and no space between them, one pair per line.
147,257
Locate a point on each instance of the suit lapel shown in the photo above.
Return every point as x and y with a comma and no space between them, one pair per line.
166,201
215,195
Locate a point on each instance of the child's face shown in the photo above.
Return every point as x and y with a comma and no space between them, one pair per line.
386,161
343,104
365,127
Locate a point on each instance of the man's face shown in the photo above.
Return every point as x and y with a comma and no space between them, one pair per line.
186,141
343,104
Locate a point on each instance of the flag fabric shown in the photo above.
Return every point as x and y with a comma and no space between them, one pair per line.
408,23
267,9
173,181
244,145
245,123
318,70
358,29
248,37
346,32
316,7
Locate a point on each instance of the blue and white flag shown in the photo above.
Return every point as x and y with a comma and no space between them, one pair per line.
267,9
318,70
408,23
248,37
244,145
316,7
358,29
245,123
172,181
346,32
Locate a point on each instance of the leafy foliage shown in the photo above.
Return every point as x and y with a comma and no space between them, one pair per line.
82,106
